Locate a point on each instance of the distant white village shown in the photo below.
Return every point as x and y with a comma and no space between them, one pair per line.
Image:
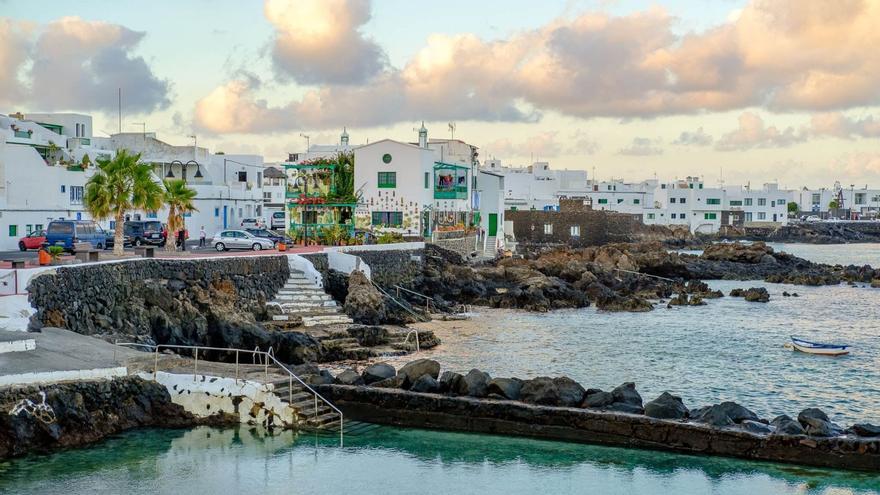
416,188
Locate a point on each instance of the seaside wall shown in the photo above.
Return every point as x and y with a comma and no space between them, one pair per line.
390,264
97,298
203,396
572,227
425,410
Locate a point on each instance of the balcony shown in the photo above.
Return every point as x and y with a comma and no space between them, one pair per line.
456,192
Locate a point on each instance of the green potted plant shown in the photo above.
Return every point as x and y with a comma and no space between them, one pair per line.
55,253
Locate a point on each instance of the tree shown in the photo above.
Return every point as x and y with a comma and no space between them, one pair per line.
179,200
833,204
120,184
793,208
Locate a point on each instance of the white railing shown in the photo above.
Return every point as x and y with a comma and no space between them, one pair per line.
258,357
416,333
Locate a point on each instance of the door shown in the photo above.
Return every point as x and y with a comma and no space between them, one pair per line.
224,217
493,224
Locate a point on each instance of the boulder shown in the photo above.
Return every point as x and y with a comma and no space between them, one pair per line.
757,294
571,393
369,336
786,426
426,384
508,388
451,381
378,372
415,369
625,408
737,293
755,427
399,381
321,378
540,390
715,415
817,424
598,400
477,383
364,303
740,253
349,377
667,406
864,430
627,394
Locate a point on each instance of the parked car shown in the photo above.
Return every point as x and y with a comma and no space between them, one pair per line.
111,239
812,218
145,232
253,223
34,240
66,233
275,237
277,221
240,239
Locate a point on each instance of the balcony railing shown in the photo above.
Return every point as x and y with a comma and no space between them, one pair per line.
457,192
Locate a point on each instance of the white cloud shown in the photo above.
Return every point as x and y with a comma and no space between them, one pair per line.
642,146
752,133
695,138
838,125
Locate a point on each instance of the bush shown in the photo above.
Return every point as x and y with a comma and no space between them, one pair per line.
389,238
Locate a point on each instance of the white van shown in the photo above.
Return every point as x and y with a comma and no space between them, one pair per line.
278,220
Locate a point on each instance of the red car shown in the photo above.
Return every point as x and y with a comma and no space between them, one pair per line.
34,240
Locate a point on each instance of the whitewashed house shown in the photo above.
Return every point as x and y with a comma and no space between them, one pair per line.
538,187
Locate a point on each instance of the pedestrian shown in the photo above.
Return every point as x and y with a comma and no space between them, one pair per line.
202,236
181,239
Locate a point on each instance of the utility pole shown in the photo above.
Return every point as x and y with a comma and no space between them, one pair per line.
308,145
120,110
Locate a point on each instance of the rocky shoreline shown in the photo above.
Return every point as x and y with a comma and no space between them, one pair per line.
616,277
418,394
41,419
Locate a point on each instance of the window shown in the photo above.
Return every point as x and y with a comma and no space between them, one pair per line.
748,201
748,216
76,195
762,215
672,200
713,201
650,216
259,177
216,211
29,228
38,227
817,198
691,185
548,229
603,201
636,201
389,218
152,214
619,200
682,200
780,202
427,180
575,230
662,186
388,180
736,202
701,186
242,176
267,196
63,188
762,201
672,215
386,158
13,231
860,198
710,216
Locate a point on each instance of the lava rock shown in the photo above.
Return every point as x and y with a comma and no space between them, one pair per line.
508,388
864,430
786,426
349,377
399,381
571,393
627,394
426,384
378,372
369,336
757,294
755,427
667,406
541,390
598,400
451,381
715,415
817,424
364,303
415,369
477,383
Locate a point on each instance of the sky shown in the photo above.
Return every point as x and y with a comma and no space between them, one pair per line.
739,91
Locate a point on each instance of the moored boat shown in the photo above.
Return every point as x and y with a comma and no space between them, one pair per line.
818,348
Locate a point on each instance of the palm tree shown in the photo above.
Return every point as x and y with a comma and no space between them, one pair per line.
119,185
179,200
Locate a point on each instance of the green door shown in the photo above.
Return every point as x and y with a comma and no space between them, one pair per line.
493,224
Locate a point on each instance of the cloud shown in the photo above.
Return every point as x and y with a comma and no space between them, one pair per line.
78,65
785,55
540,146
696,138
641,147
582,143
838,125
319,41
752,133
861,165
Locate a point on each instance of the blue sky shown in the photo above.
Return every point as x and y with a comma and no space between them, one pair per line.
630,88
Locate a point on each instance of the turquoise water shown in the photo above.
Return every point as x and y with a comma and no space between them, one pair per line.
398,461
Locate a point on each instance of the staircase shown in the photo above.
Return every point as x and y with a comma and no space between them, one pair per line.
312,412
489,249
304,298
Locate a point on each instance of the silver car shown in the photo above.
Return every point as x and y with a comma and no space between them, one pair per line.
239,239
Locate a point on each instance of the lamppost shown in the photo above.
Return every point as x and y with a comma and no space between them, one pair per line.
170,174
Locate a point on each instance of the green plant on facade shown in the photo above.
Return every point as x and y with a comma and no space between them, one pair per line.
389,238
343,178
333,235
834,204
179,200
85,162
121,184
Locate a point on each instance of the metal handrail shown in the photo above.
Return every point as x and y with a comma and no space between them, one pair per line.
408,310
416,332
428,299
644,274
268,355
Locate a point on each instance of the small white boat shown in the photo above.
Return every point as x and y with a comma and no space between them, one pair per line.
818,348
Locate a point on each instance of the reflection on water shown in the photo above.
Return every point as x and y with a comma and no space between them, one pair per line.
395,460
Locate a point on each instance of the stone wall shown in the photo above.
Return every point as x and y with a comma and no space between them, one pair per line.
391,267
98,298
424,410
594,227
464,246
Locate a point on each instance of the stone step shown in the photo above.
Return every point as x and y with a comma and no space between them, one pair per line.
300,296
303,290
306,304
17,344
324,419
310,321
316,311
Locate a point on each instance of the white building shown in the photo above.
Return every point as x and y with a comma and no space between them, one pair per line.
620,196
489,196
274,193
45,161
538,187
228,188
862,202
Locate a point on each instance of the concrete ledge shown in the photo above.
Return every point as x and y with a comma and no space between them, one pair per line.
18,345
404,408
62,376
